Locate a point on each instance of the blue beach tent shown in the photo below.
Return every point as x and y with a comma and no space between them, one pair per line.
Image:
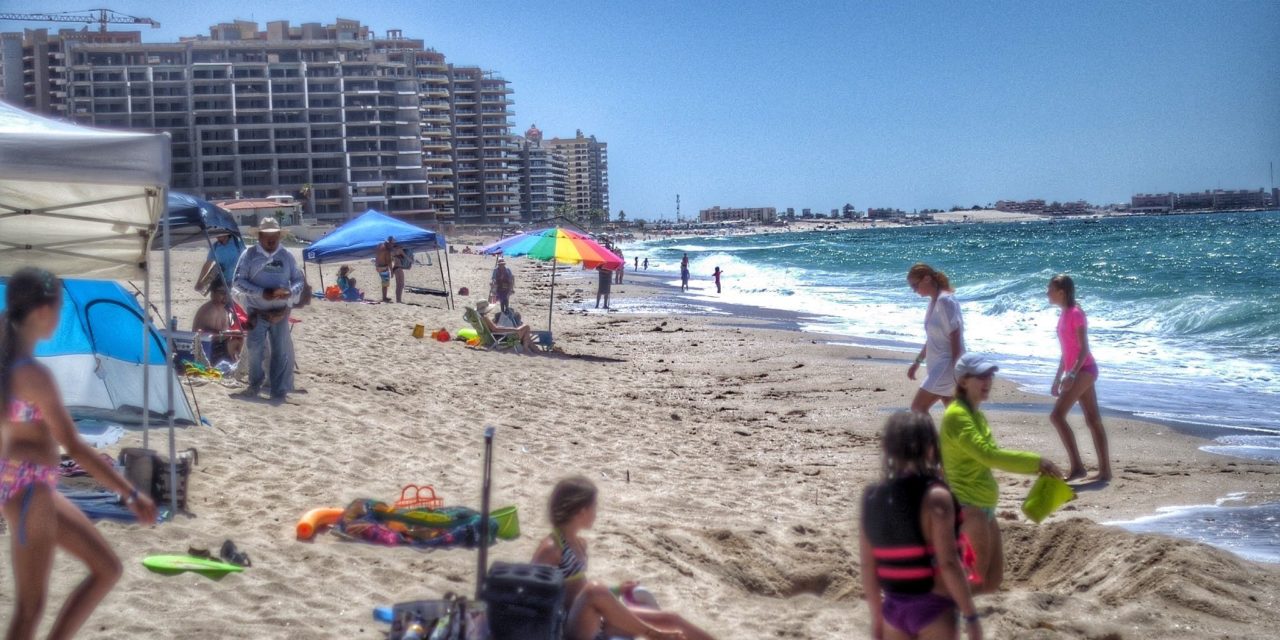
194,220
96,355
359,238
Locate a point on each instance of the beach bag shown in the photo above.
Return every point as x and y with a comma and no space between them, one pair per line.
405,261
447,619
148,472
332,293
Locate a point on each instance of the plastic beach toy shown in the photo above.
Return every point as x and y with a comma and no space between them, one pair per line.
173,565
312,520
1046,496
508,523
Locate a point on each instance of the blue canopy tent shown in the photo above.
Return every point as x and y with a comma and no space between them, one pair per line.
359,238
95,355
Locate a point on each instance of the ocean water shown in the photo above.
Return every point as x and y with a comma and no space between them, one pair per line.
1184,311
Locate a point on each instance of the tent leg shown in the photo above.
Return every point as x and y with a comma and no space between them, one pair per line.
146,354
320,267
171,374
450,287
442,280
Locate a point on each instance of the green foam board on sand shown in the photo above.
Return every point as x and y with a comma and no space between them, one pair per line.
173,565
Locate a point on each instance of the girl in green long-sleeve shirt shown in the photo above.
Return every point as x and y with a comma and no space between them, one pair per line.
969,453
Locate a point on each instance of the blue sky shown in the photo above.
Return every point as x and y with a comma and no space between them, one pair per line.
815,104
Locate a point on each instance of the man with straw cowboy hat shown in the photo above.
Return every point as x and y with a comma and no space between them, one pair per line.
269,284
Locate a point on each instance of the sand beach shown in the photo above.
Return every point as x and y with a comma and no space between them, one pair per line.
730,451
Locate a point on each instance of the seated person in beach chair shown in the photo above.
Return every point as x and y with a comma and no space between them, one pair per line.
347,285
214,318
592,608
493,334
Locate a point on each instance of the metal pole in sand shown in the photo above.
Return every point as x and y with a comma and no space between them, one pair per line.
551,306
450,285
170,377
146,343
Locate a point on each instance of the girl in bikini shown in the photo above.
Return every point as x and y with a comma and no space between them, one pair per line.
1074,382
594,612
33,423
911,570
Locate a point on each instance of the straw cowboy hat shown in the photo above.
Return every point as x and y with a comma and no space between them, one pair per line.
482,307
268,225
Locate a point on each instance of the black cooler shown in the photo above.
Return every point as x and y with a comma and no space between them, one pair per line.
524,602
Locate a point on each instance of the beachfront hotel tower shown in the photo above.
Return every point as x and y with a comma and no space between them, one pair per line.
348,119
588,175
543,175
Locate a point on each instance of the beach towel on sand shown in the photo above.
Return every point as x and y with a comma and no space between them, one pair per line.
380,523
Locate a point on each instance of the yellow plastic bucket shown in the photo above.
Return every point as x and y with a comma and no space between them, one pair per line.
1046,496
508,523
419,331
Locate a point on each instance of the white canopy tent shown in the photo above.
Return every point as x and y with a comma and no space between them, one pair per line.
85,202
75,200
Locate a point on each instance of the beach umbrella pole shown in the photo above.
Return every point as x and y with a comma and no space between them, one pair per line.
551,306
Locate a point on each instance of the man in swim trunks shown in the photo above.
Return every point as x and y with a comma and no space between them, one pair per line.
213,317
387,261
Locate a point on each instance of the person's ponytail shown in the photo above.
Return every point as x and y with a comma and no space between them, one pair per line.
944,283
8,353
27,290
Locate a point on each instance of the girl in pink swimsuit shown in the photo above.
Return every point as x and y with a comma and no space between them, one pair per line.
33,423
1074,382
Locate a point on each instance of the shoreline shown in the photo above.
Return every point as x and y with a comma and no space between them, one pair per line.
729,458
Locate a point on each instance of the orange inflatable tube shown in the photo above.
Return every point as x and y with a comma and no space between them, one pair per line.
314,519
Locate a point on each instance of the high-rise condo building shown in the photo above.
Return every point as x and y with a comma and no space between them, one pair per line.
588,188
543,175
334,113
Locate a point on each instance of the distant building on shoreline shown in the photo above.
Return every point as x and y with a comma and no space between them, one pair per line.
1020,206
543,176
1215,200
588,177
341,117
762,215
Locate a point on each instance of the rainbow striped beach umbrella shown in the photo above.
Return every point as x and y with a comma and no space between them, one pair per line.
556,244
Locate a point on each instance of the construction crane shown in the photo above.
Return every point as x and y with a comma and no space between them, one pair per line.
89,16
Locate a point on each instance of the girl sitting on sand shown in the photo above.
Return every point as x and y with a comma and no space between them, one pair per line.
969,453
594,612
347,284
33,424
944,337
1074,382
911,569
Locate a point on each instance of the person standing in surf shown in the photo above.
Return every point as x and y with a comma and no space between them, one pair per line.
1075,380
911,571
684,273
944,337
34,424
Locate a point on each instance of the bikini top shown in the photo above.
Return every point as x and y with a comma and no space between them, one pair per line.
572,566
20,410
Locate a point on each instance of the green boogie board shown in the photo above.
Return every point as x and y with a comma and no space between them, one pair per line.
173,565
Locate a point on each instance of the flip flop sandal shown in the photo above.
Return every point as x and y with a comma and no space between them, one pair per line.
197,552
229,553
